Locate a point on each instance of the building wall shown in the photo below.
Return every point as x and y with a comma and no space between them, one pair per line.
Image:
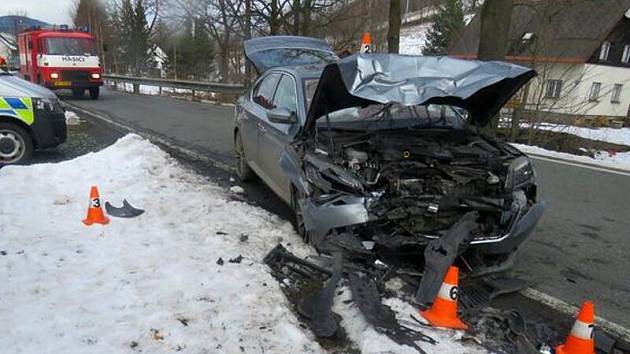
577,80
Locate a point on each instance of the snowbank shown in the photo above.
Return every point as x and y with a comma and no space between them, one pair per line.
611,135
620,160
150,283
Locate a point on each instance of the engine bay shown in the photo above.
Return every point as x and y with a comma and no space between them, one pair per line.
418,182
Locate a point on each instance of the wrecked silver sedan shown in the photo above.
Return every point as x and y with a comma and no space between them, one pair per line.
381,155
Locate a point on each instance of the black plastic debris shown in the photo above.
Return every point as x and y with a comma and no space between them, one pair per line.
367,297
317,307
220,261
221,233
440,254
243,237
236,259
126,211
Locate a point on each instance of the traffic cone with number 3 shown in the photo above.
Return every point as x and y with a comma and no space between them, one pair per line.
95,213
580,340
443,312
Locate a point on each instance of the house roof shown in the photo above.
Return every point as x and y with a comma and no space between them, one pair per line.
552,30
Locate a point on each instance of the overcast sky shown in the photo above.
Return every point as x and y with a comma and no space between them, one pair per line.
51,11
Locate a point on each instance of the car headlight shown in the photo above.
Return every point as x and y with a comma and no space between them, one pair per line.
47,104
96,76
521,171
54,76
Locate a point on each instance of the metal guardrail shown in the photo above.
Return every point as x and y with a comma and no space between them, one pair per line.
202,86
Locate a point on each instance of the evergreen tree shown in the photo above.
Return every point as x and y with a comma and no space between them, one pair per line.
133,36
447,24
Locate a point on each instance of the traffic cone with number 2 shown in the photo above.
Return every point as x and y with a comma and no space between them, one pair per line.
580,340
95,213
443,312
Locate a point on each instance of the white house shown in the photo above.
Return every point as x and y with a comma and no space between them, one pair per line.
580,49
8,49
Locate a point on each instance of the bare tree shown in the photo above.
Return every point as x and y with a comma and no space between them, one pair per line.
395,21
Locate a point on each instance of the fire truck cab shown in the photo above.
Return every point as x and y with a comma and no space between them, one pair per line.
61,59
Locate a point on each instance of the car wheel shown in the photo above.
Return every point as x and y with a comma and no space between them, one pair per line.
16,145
243,171
94,93
78,93
298,216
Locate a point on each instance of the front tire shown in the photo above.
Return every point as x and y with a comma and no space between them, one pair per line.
94,93
243,171
16,144
78,93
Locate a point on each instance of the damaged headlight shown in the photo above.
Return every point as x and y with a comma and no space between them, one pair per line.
47,104
332,177
520,172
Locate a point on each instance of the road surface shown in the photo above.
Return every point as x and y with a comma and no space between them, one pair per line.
579,251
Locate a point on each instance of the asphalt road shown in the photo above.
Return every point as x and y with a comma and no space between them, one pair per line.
579,251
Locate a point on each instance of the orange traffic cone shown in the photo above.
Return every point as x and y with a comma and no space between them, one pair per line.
366,43
95,213
580,340
443,312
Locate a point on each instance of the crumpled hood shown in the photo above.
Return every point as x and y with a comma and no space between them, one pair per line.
481,88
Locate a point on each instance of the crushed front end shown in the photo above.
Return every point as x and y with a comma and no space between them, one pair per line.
387,194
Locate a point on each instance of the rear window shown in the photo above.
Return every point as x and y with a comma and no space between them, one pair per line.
291,56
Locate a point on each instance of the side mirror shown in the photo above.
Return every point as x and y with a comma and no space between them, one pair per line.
281,116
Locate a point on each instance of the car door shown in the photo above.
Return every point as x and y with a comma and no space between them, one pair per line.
255,110
273,138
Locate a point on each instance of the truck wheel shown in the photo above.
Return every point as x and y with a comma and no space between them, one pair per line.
16,145
243,171
78,93
94,92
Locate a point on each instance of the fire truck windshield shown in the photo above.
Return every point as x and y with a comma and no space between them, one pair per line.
69,46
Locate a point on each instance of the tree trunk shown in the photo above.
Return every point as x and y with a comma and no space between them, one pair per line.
306,18
297,12
248,35
274,21
395,21
496,16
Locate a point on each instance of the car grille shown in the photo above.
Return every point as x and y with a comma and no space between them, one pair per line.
75,75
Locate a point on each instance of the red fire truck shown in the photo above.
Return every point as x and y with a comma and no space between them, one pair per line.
61,59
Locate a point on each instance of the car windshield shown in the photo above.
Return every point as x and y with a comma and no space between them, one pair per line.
393,116
69,46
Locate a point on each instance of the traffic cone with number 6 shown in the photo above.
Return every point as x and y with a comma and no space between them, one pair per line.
443,312
95,213
580,340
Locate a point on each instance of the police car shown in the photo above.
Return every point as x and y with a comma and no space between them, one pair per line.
31,117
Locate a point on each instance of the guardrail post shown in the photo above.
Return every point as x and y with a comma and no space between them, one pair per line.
193,94
160,90
136,89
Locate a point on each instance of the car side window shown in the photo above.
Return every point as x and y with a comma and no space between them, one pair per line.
286,95
263,92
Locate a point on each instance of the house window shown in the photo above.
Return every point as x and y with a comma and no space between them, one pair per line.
554,87
626,54
616,93
593,95
603,53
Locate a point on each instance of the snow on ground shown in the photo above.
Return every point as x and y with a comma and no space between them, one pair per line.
617,136
72,118
620,160
413,39
151,283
